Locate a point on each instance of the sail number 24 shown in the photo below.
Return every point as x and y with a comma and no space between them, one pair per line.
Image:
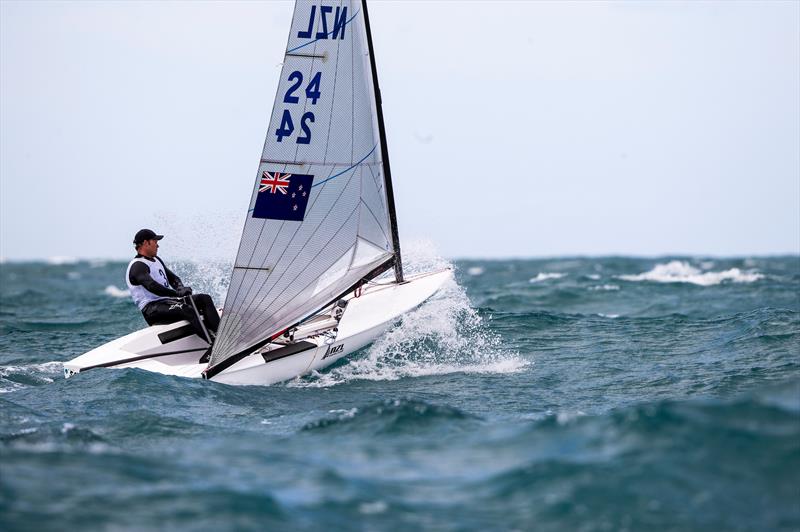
312,93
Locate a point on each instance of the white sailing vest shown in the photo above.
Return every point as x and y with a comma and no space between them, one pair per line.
141,295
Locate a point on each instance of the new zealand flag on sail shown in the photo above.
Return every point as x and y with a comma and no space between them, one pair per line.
283,196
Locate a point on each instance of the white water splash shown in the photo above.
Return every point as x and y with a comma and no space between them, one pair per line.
475,270
682,272
544,276
113,291
444,335
207,277
609,287
41,373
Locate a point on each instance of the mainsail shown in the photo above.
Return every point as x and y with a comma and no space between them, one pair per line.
320,214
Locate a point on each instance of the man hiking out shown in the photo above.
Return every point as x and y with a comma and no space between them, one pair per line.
160,294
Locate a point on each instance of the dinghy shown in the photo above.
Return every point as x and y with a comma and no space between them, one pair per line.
320,228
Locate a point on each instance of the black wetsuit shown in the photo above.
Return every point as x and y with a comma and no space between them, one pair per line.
175,308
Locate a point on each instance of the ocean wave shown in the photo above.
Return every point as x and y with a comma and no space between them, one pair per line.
545,276
13,378
52,438
636,467
395,415
682,272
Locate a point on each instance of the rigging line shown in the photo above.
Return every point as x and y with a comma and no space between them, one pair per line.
326,35
378,221
330,210
348,169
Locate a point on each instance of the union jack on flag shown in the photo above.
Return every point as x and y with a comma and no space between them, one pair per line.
283,196
276,182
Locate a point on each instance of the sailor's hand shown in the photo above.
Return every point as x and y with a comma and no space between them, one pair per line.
184,291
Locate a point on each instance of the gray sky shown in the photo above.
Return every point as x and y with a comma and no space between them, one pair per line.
514,129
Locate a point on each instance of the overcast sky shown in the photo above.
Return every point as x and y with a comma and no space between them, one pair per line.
514,129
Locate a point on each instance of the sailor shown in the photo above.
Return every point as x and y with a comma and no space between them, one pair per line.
160,294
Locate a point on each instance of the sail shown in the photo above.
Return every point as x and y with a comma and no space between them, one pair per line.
318,219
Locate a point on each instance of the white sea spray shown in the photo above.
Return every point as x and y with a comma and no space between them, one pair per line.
113,291
677,271
444,335
546,276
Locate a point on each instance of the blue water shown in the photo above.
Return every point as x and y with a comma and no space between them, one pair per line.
561,394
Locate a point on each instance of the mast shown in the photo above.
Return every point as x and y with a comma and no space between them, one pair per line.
398,262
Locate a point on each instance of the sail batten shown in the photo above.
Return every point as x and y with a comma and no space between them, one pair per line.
319,219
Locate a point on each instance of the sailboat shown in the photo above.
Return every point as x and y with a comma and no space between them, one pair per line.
320,227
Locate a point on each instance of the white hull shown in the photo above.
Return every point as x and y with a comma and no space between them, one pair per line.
163,349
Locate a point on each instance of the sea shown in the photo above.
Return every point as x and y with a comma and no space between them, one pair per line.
567,393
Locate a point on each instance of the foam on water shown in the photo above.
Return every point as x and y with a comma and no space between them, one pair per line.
544,276
677,271
113,291
14,378
605,287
